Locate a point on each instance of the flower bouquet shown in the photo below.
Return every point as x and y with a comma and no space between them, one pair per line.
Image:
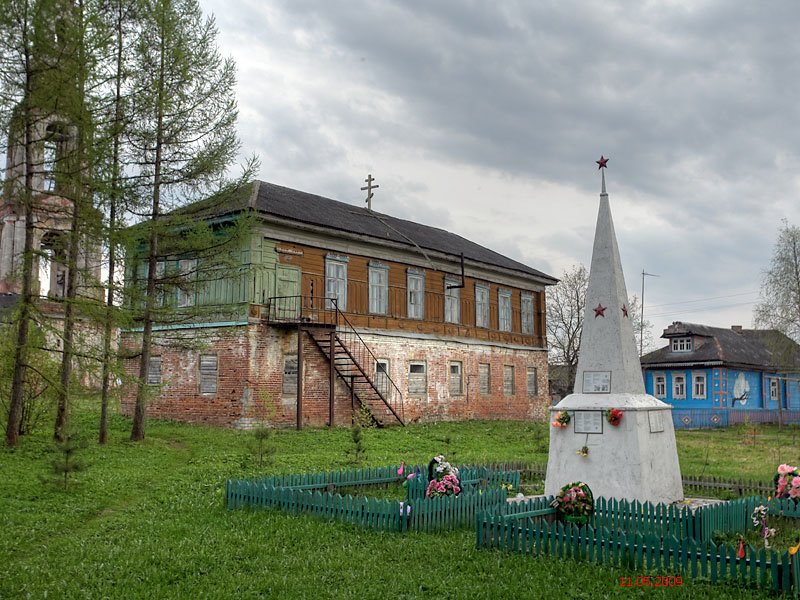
561,419
443,478
787,482
574,502
613,416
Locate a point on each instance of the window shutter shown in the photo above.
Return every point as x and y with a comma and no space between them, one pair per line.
208,373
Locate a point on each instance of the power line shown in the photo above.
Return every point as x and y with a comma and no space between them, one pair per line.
703,299
702,309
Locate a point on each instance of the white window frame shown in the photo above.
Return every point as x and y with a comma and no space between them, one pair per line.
527,319
456,378
187,273
679,386
509,385
336,281
482,313
208,374
154,370
49,162
452,299
378,288
487,389
504,319
533,382
660,385
681,344
415,285
699,385
417,379
382,376
774,389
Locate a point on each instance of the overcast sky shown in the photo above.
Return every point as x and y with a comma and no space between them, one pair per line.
486,117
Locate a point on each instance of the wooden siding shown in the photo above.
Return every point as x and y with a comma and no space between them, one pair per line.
311,261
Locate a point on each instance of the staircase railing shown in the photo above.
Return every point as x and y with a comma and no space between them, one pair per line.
315,310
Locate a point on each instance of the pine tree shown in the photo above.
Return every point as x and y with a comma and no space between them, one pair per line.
183,140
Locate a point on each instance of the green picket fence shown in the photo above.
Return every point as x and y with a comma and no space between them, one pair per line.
735,515
471,480
314,494
642,552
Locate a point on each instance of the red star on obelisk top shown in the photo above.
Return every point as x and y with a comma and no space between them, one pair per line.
602,162
599,311
624,310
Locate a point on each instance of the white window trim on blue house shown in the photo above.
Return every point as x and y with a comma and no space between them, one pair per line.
678,387
699,385
660,381
682,344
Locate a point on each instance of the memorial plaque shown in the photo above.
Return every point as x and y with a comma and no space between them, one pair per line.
596,382
588,421
656,418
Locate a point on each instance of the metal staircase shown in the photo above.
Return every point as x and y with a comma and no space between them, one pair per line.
340,343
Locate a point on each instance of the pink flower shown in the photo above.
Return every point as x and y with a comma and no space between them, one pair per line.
786,469
796,482
794,492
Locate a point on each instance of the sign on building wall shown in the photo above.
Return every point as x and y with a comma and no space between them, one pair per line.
588,421
596,382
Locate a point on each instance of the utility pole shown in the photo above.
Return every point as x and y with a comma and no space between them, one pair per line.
368,188
641,322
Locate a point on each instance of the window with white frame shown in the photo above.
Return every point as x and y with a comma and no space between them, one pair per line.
290,375
683,344
526,313
678,387
336,281
508,380
417,377
382,376
415,283
660,385
504,309
774,389
533,381
154,370
484,378
378,288
187,269
208,373
481,305
452,300
698,386
49,159
456,378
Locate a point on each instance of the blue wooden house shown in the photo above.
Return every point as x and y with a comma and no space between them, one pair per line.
706,367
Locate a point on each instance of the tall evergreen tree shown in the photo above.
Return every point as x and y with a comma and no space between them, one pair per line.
183,140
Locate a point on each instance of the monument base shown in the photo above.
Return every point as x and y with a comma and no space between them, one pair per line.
635,460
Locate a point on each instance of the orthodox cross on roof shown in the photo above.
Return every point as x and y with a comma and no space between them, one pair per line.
368,188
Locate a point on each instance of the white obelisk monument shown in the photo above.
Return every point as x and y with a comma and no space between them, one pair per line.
637,459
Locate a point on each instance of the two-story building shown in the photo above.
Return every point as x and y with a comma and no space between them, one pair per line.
722,369
338,307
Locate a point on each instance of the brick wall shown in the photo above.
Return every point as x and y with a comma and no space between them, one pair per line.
250,385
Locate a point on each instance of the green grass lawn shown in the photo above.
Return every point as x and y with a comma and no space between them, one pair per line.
148,521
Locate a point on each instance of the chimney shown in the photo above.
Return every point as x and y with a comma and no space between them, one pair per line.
737,328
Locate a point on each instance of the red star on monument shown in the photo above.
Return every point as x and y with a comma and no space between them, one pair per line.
624,310
602,162
599,311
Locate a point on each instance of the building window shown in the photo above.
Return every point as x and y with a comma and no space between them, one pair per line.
660,385
378,288
154,371
533,381
416,294
452,300
382,376
336,282
774,389
208,373
504,309
290,375
417,378
187,269
678,387
456,379
161,269
49,158
526,313
698,386
508,380
484,378
683,344
481,305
